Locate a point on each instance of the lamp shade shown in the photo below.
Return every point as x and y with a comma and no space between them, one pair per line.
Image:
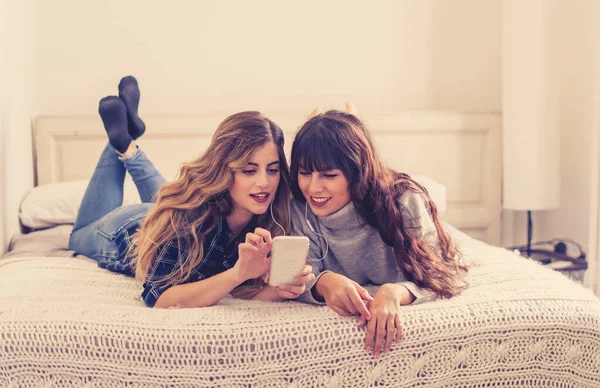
531,148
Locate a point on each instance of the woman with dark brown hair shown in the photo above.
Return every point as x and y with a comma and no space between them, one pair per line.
368,226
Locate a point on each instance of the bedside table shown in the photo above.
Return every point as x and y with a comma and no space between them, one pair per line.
571,267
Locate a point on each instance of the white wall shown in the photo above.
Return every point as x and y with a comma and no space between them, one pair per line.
577,44
17,106
222,56
3,237
593,273
218,57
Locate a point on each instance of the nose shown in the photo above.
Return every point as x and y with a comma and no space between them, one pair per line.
315,186
262,180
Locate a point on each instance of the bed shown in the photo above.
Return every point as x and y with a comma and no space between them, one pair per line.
66,322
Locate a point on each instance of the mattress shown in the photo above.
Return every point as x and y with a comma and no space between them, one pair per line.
66,322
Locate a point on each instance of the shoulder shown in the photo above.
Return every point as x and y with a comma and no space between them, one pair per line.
412,199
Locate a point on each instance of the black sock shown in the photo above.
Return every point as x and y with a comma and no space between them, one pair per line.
114,116
129,92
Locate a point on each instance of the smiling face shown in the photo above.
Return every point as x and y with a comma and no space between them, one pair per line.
254,185
325,191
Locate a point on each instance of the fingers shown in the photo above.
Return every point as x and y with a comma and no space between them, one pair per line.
390,333
302,280
349,108
348,305
261,239
265,234
363,293
246,247
255,240
291,291
314,112
371,326
362,321
306,270
340,310
399,333
382,333
379,336
305,276
295,289
357,301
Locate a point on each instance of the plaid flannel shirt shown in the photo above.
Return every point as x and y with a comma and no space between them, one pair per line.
220,254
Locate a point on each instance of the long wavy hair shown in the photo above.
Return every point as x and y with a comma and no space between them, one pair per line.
189,207
338,140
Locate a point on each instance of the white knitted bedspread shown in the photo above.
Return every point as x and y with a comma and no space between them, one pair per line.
64,322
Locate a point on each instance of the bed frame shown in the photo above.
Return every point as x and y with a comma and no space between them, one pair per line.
64,321
460,150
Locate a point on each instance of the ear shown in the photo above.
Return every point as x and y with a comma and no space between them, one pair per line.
314,112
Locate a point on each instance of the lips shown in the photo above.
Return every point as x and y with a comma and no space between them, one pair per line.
319,201
261,197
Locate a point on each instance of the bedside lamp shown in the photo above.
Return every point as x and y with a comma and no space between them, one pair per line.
531,180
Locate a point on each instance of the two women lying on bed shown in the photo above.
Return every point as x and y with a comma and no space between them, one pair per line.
209,233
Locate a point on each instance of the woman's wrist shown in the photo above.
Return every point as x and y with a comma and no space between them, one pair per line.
320,287
398,292
235,276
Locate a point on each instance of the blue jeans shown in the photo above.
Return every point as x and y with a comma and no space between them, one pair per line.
103,227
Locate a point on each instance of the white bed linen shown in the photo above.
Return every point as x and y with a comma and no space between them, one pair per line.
65,322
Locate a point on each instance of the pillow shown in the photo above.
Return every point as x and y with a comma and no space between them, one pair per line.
437,191
58,203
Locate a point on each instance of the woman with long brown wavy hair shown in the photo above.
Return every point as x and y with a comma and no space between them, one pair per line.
206,234
368,226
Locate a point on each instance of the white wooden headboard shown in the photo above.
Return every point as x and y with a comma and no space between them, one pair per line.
462,151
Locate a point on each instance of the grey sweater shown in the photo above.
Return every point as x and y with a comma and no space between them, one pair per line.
356,249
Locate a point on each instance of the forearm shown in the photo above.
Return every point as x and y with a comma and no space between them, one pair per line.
202,293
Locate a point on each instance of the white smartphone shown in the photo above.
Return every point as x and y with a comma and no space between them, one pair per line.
288,258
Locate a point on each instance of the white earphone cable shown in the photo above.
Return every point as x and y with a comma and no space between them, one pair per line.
275,221
315,232
309,226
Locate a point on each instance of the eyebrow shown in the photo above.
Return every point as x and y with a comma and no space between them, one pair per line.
256,164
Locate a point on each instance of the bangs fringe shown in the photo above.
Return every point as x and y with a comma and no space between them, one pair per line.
318,150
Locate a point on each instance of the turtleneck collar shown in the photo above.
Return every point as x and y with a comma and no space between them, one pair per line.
345,218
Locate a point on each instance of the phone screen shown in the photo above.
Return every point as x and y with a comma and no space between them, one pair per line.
288,258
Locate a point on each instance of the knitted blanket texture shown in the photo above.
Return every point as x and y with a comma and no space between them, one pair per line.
64,322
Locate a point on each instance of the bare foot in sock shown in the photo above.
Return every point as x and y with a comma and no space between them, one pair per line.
129,92
114,116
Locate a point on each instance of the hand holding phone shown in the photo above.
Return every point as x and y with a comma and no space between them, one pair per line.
288,258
